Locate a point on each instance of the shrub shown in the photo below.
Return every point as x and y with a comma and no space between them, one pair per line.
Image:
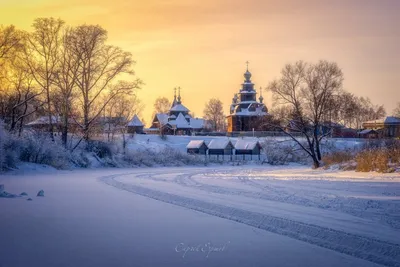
101,149
166,157
281,153
373,160
337,157
39,148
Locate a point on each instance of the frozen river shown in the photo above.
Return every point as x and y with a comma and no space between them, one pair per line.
205,216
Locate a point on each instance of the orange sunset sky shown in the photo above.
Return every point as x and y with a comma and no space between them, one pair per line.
202,46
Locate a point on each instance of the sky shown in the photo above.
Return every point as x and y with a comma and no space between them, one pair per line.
202,46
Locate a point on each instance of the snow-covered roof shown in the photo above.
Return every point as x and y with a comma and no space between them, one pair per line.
197,123
180,107
387,120
135,122
44,120
367,131
180,122
243,144
219,143
246,112
162,118
195,144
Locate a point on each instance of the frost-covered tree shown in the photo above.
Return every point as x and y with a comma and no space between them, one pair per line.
162,105
214,113
42,56
100,68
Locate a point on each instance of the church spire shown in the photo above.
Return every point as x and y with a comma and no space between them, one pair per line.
261,98
174,102
179,95
247,74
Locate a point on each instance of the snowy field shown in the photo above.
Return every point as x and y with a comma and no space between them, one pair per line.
203,216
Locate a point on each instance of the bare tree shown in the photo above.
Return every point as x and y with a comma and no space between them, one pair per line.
100,65
119,111
161,105
65,79
18,93
214,113
308,89
42,56
10,40
281,112
396,111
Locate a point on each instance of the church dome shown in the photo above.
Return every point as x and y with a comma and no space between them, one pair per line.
247,75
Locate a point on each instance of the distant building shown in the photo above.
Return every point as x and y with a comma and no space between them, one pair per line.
388,127
177,121
135,126
197,147
43,123
369,134
248,147
220,147
246,113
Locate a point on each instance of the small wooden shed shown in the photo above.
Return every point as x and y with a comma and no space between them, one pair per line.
369,134
197,147
220,147
135,125
248,147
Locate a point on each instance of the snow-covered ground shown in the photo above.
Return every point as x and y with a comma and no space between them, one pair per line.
201,216
154,142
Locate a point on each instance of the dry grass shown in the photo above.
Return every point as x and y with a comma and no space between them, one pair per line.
380,156
373,160
337,157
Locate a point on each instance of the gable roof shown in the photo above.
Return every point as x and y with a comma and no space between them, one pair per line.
135,121
242,144
219,143
195,144
44,120
180,107
162,118
367,131
197,123
180,122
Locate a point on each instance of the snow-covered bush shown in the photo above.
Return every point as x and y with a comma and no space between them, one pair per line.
101,149
9,149
166,157
281,153
39,148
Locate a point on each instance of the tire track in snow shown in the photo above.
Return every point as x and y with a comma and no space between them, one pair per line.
362,247
382,211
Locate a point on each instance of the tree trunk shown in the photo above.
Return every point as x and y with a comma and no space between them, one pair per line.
50,115
316,162
64,134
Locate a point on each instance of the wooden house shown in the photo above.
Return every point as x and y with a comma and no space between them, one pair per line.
135,126
387,127
248,147
220,147
369,134
197,147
